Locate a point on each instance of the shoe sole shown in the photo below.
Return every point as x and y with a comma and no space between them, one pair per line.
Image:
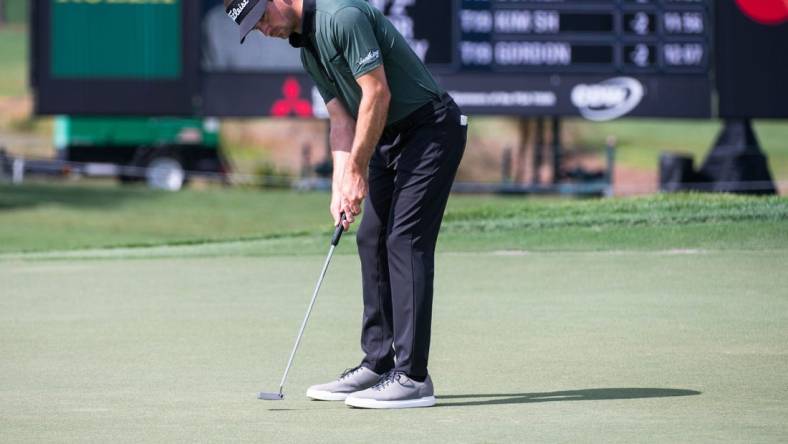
366,403
323,395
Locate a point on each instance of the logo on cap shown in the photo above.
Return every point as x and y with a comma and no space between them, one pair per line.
236,9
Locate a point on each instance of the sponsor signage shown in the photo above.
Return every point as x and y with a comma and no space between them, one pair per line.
608,99
598,59
593,96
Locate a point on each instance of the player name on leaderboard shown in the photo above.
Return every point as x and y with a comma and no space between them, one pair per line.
637,36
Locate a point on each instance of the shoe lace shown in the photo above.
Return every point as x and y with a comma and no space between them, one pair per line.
387,379
349,372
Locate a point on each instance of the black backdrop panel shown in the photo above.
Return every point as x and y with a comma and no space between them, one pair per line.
254,95
752,60
595,97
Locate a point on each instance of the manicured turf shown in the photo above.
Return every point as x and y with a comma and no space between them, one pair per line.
58,217
658,319
682,346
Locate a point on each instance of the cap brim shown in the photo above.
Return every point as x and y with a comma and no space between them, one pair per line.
251,19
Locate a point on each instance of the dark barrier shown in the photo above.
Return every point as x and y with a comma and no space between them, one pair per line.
736,164
676,172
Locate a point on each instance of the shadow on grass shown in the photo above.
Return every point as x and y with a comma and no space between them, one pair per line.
35,195
568,395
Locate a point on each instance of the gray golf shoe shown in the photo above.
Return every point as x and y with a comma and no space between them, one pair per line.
394,390
351,380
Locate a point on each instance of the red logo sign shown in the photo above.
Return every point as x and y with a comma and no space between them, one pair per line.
766,12
292,103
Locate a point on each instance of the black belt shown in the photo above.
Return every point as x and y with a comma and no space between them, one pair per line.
418,116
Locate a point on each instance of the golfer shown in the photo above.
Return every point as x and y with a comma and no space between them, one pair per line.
396,141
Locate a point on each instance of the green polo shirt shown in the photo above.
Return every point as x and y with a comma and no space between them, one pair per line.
352,38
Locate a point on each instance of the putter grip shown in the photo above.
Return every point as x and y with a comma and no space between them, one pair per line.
338,231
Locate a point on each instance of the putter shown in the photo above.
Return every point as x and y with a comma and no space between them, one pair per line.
269,396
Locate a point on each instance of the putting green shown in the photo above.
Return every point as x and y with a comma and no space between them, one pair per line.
596,346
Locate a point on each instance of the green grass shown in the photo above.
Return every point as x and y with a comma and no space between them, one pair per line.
63,217
13,53
656,319
640,141
137,316
46,217
16,11
610,346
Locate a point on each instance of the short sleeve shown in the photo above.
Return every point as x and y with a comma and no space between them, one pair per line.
355,39
316,73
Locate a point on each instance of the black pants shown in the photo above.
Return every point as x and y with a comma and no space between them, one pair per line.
410,175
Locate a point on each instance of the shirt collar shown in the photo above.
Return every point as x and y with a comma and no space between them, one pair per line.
299,40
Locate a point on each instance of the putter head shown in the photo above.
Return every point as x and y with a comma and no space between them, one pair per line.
270,396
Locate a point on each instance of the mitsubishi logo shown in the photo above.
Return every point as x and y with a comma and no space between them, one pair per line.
291,103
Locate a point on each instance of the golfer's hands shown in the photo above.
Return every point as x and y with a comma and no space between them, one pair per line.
352,194
335,208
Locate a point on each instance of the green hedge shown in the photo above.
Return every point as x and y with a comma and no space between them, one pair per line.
16,11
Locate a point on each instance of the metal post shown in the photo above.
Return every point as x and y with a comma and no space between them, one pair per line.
506,166
556,130
538,147
524,126
3,161
306,161
610,159
18,171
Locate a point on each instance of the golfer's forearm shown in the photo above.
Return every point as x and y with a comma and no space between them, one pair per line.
341,140
341,133
340,162
372,114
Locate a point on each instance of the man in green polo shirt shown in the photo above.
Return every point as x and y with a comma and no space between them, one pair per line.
396,141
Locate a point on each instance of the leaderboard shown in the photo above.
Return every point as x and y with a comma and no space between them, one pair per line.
617,36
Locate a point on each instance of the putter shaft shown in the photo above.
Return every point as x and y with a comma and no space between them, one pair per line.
306,318
334,242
